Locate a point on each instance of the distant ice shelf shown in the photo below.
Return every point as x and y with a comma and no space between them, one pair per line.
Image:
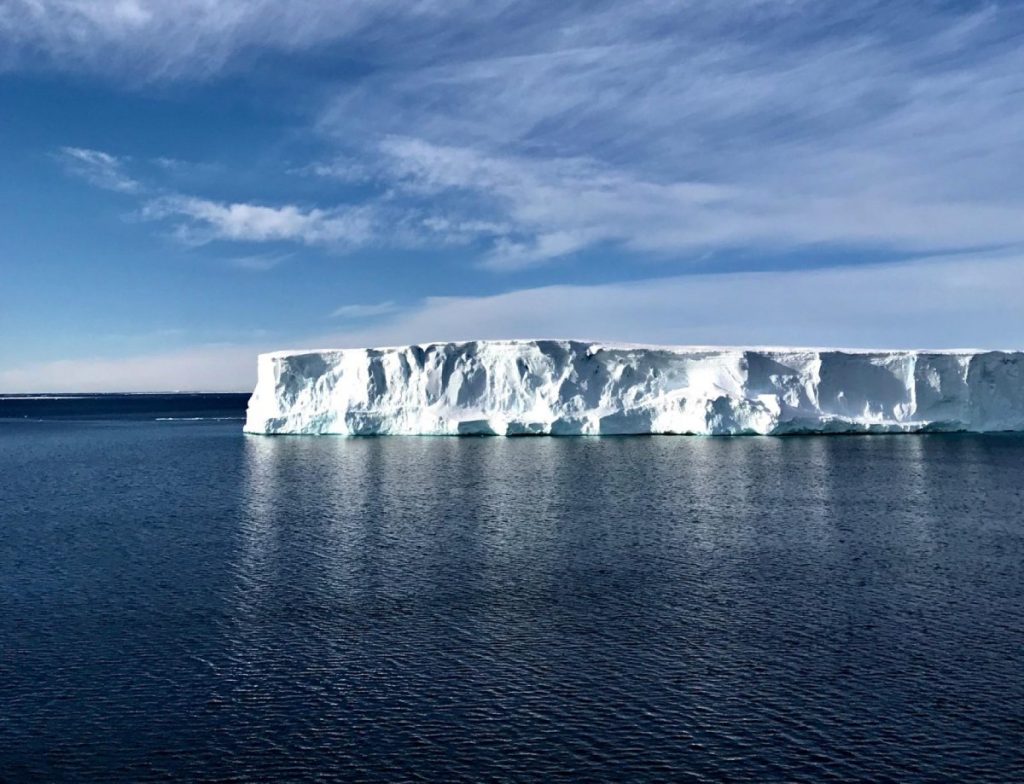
570,387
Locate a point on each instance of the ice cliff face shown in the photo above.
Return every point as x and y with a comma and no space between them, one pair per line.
564,387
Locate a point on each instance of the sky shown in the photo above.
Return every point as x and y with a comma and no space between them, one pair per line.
184,185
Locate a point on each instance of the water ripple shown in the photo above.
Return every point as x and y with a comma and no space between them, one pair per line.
185,603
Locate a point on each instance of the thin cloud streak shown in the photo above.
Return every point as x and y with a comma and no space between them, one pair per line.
366,310
556,207
142,41
203,220
99,168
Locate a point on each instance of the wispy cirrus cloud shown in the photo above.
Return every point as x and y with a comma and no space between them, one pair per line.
98,168
544,209
154,40
196,220
379,220
527,211
656,130
670,130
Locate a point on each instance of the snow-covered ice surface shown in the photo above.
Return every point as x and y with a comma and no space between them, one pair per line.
569,387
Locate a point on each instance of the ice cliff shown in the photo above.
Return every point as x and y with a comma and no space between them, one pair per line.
566,387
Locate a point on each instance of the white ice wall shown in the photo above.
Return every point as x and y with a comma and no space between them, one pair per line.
564,387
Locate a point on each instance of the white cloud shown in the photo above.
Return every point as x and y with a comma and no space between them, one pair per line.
98,168
144,40
201,220
377,222
366,310
197,221
532,132
545,208
963,301
672,129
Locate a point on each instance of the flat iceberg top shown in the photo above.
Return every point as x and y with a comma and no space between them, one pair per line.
571,387
601,344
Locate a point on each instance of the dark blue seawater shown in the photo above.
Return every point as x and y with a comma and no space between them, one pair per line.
179,601
162,407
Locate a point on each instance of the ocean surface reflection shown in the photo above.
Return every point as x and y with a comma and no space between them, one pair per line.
187,602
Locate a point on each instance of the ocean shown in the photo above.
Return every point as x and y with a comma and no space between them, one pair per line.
179,601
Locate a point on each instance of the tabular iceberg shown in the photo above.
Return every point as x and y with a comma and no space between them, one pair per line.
568,387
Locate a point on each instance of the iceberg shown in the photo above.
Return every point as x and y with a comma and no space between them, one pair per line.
571,387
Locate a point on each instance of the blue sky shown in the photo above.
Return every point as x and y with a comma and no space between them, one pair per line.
186,184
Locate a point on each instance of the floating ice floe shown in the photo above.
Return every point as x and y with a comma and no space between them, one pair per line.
569,387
